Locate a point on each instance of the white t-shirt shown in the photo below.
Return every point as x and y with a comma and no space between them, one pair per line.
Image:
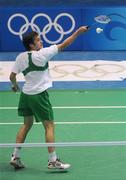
35,81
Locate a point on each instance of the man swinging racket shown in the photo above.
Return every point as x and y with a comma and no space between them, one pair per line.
34,99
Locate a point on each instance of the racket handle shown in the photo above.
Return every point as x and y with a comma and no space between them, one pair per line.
88,27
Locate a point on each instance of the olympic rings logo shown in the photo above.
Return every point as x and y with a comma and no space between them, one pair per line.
46,29
96,71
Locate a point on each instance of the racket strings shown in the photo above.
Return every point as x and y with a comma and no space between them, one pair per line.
102,19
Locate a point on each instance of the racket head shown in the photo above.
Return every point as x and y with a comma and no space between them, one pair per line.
103,19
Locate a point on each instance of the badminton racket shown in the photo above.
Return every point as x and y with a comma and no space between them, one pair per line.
102,19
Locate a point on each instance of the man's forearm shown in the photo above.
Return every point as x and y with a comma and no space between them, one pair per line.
14,82
13,78
71,38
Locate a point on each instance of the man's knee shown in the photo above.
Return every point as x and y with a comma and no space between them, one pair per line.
28,121
48,124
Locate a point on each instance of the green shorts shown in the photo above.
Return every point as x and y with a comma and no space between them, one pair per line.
37,105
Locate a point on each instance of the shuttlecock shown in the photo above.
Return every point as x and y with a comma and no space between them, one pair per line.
99,30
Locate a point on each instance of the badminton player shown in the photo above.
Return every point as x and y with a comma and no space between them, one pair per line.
34,99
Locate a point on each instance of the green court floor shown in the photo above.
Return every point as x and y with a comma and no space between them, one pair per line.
90,115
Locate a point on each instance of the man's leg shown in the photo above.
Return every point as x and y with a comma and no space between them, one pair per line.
23,131
49,134
54,162
20,138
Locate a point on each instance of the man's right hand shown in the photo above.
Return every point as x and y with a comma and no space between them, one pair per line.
15,88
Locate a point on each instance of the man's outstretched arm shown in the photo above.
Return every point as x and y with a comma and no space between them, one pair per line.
71,38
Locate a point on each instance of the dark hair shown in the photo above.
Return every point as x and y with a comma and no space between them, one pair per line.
29,39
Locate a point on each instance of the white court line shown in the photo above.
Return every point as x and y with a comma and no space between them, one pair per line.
62,123
76,107
65,144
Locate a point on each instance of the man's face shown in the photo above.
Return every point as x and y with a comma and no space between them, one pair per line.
37,43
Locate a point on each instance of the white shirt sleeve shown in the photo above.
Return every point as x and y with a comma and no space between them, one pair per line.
51,51
16,66
45,54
